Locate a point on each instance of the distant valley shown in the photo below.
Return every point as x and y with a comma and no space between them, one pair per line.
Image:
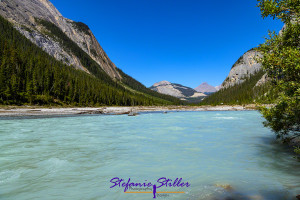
245,83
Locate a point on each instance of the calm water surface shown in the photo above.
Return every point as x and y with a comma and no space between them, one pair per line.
76,157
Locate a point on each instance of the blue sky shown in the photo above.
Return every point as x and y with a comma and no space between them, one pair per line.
181,41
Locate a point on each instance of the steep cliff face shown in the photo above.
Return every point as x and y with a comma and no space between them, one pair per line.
245,66
176,90
24,14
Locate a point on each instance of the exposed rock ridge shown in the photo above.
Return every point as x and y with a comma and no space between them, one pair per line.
245,66
22,14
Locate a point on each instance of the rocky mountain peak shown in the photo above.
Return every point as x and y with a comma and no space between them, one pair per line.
24,11
245,66
176,90
205,88
161,83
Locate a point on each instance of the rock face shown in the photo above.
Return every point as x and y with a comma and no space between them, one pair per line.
263,80
23,14
243,68
218,87
176,90
206,88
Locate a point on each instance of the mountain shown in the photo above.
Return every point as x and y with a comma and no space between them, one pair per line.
48,59
206,88
246,83
26,15
243,68
177,90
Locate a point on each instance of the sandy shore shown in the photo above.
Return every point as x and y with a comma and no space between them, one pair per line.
34,111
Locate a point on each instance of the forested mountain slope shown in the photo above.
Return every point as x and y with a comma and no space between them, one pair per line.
30,75
246,92
246,83
25,15
72,44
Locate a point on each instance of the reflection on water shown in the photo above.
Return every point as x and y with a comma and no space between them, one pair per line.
223,155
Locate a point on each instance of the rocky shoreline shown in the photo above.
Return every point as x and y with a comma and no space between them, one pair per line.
40,111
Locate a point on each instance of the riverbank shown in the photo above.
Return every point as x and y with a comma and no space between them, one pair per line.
36,111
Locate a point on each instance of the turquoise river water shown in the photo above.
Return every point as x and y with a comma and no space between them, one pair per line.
222,155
